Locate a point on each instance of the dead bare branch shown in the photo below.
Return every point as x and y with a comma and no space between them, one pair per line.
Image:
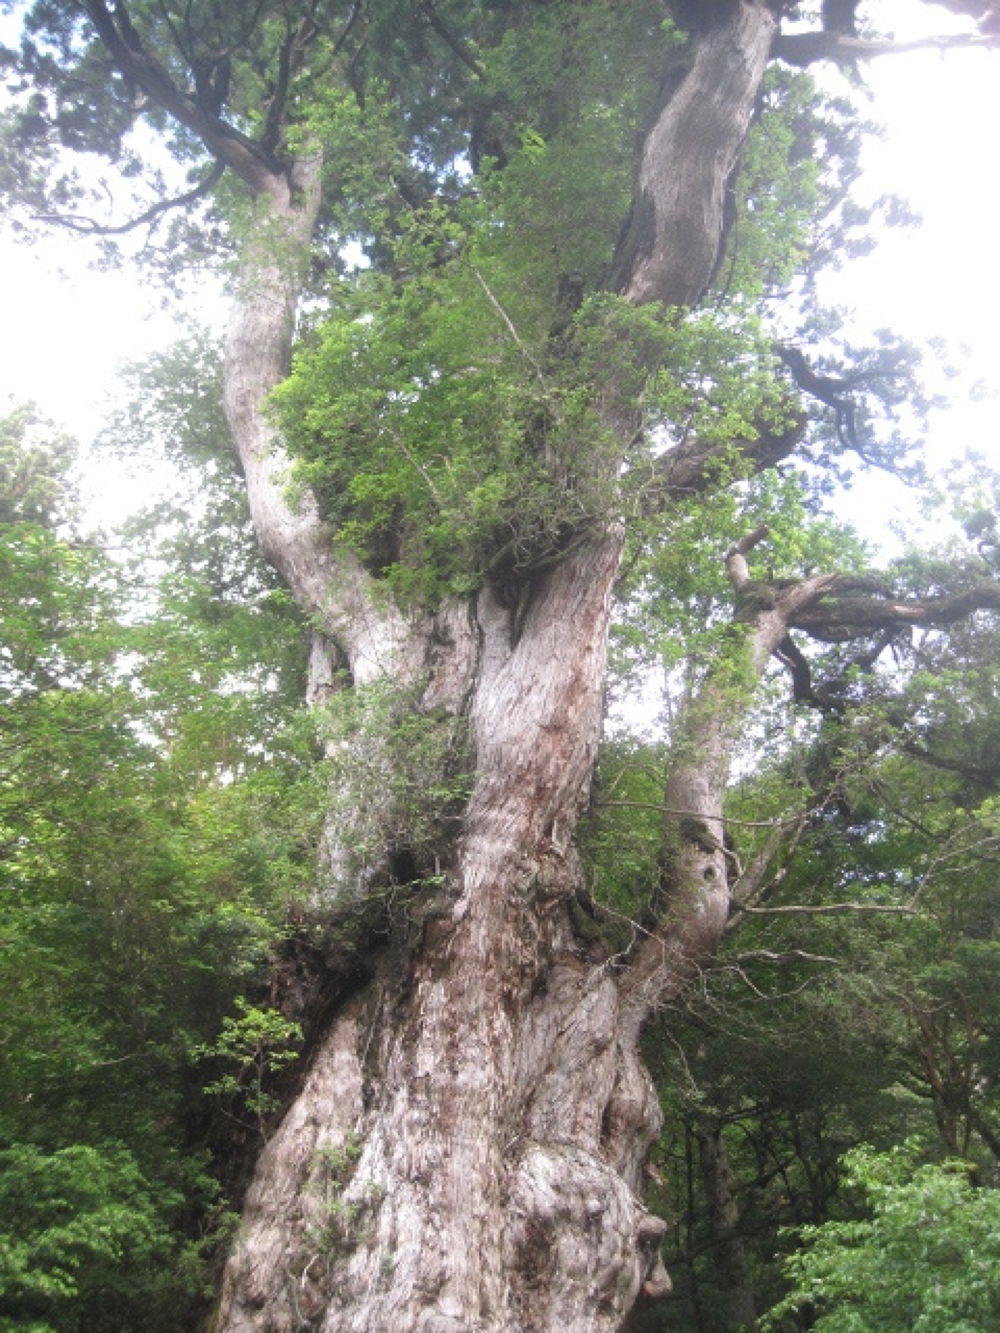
828,909
808,48
788,956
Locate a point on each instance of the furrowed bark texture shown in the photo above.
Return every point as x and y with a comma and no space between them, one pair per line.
500,1127
467,1148
675,231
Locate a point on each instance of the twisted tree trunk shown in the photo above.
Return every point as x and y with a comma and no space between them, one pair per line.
467,1147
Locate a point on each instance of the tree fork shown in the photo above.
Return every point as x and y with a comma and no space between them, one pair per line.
487,1088
467,1149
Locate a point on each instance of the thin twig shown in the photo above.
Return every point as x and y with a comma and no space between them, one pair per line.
88,227
788,956
509,324
783,822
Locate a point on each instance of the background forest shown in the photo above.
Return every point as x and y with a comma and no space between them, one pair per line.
171,768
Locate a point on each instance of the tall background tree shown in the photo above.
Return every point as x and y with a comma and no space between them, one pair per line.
134,831
536,252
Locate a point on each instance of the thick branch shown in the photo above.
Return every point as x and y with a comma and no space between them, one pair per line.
290,59
736,557
690,468
451,39
834,609
982,777
836,619
250,162
671,243
985,12
696,897
832,391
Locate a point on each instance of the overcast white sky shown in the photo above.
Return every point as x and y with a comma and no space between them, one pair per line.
66,329
943,279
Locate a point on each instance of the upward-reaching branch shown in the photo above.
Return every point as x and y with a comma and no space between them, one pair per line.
695,896
670,247
297,40
133,60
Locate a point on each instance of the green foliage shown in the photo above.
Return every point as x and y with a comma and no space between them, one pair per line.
394,775
34,469
568,84
451,411
420,448
622,834
778,192
925,1258
88,1243
334,1222
158,810
258,1043
462,439
446,450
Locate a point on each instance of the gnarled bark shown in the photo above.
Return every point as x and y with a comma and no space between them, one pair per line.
467,1148
671,246
499,1121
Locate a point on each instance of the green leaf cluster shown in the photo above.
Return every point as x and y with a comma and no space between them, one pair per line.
925,1258
395,776
88,1242
251,1049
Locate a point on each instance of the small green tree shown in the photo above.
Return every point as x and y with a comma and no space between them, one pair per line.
252,1048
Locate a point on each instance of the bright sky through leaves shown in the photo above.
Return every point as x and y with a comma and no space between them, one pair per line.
68,327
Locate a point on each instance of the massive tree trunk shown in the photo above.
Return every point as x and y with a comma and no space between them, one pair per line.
467,1147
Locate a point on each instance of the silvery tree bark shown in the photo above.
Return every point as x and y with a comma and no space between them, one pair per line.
467,1147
